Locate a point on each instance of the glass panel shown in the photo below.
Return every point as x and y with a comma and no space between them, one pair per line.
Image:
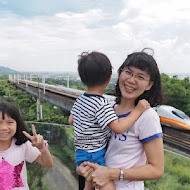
63,172
180,114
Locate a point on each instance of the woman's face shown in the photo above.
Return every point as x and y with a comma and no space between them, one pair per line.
133,82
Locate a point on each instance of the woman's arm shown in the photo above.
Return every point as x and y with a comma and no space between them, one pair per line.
154,168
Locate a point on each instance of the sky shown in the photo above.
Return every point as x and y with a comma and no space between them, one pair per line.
49,35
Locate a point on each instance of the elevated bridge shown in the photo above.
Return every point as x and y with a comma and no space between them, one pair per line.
57,95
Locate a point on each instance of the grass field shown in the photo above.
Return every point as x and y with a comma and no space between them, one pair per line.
176,175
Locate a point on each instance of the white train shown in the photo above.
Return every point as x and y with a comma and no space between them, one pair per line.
172,117
69,91
169,116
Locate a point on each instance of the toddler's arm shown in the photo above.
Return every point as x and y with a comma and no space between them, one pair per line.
121,125
70,120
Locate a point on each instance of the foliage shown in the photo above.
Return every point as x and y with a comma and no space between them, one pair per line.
53,114
6,89
176,175
5,71
61,140
110,89
80,87
176,92
35,176
56,81
64,149
27,105
24,102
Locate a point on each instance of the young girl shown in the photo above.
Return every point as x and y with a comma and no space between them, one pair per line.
17,147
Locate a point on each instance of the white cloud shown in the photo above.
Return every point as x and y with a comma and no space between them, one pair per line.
162,25
46,40
52,42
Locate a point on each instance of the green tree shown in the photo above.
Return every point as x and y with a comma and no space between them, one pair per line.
176,92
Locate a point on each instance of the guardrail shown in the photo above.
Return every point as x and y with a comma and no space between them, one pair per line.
60,138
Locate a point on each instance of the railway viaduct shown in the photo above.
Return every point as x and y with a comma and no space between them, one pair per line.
55,97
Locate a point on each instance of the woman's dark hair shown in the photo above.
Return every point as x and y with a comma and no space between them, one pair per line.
11,111
147,63
94,68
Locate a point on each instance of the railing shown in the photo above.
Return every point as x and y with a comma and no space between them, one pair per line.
63,174
60,138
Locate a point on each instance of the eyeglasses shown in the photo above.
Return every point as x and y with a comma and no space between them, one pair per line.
139,77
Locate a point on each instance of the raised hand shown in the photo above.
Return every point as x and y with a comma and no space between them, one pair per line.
142,105
37,140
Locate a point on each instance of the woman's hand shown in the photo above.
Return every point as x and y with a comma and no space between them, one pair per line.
37,140
100,175
84,170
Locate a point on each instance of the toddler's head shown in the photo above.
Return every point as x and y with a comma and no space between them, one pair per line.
94,68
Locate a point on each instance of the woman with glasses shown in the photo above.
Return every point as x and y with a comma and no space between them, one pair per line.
137,154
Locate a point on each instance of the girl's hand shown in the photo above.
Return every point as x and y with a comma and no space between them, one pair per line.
37,140
100,175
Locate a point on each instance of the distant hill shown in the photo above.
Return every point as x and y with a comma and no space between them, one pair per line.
6,70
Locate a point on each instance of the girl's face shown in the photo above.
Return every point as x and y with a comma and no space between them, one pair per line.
133,82
8,128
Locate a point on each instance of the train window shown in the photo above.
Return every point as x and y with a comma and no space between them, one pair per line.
180,114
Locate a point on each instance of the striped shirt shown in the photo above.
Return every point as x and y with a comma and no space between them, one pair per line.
92,113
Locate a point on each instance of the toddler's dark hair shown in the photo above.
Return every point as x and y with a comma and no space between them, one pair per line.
94,68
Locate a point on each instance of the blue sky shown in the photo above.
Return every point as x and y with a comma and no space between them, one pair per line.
48,35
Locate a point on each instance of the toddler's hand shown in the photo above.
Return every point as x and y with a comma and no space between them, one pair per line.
143,105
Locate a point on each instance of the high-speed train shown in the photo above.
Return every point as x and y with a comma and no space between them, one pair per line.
172,117
169,116
68,91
